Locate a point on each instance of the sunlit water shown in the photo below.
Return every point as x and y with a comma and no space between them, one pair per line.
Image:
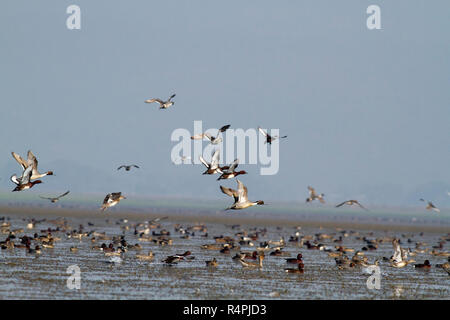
30,276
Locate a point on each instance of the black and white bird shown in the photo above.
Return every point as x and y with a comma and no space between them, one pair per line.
24,182
212,139
128,167
111,200
431,206
269,138
31,162
163,104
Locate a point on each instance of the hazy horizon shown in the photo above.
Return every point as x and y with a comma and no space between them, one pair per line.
366,111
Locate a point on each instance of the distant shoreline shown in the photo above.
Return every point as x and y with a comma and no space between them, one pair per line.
245,217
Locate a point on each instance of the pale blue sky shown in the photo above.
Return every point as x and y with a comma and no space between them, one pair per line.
367,112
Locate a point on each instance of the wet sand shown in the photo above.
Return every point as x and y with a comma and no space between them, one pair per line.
44,276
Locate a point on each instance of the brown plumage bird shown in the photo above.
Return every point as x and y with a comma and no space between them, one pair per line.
163,104
350,203
111,200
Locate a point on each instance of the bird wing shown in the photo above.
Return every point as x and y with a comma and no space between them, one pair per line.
107,198
121,167
262,131
215,159
224,128
46,198
63,195
172,96
115,195
26,175
20,160
136,166
312,192
233,166
242,191
204,162
397,257
198,136
359,204
341,204
33,162
15,180
154,100
230,192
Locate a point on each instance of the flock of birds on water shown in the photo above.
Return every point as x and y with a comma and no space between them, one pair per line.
31,176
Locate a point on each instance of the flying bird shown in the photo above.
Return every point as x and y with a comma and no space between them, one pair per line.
240,197
228,171
56,199
127,167
269,138
111,200
212,139
350,203
430,206
24,182
313,195
213,167
31,161
163,104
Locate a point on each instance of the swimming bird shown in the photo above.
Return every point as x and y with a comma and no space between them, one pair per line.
56,199
111,200
213,167
313,195
146,257
212,263
300,269
350,203
430,206
228,171
31,161
295,260
127,167
425,265
212,139
163,104
269,138
248,264
24,182
240,197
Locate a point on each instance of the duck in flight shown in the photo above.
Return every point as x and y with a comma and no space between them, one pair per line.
213,140
163,104
240,197
269,138
228,171
128,167
24,182
31,161
111,200
430,206
350,203
313,195
56,199
213,167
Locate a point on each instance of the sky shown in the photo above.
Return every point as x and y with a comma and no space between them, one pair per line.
366,111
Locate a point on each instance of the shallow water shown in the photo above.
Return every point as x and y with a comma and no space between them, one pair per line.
30,276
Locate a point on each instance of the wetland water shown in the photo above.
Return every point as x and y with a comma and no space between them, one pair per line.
44,276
